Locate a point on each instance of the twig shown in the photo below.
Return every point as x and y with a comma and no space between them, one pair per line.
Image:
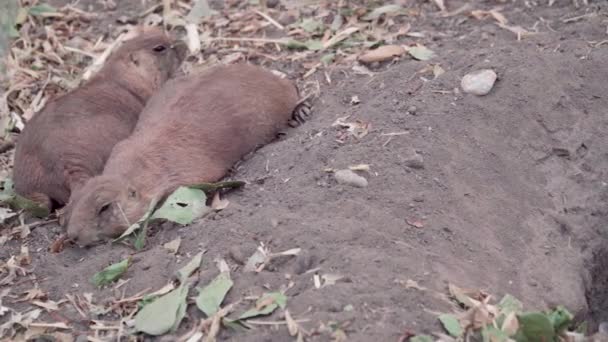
270,20
253,40
254,322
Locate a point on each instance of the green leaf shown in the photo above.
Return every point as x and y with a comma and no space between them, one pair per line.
211,296
163,314
111,273
183,206
451,324
328,58
510,304
507,305
266,305
193,265
200,10
41,9
7,190
534,327
420,52
311,44
560,318
378,12
311,25
421,338
212,187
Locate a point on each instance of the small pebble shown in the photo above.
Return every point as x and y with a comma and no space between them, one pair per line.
412,110
414,160
236,254
350,178
478,82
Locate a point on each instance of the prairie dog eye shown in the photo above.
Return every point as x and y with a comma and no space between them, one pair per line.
159,48
132,193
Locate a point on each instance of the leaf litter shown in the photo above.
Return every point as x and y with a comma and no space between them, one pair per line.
504,321
42,64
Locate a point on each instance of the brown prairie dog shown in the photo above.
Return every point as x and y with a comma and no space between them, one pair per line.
191,132
71,138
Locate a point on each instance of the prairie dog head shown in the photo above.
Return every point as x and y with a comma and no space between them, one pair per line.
147,59
102,209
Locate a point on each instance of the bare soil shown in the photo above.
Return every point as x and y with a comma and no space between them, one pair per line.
510,195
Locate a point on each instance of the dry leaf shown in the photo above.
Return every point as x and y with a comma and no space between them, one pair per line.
173,245
510,325
415,223
382,53
219,204
292,326
340,36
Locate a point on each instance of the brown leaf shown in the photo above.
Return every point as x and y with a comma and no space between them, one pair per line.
382,53
219,204
415,223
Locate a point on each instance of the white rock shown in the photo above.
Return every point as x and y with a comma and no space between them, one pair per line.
350,178
478,82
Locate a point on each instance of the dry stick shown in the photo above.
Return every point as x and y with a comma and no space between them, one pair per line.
270,20
253,40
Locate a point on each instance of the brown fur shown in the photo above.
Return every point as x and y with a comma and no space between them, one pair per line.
191,132
71,138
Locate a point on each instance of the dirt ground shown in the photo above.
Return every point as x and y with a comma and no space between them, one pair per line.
505,192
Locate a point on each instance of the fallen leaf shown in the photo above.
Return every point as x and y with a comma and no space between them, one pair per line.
47,305
219,204
201,9
311,25
183,206
534,326
256,259
382,53
193,265
421,338
210,297
163,314
420,52
41,10
111,273
292,326
464,296
451,324
330,279
266,305
437,70
510,325
379,11
173,245
415,223
340,36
